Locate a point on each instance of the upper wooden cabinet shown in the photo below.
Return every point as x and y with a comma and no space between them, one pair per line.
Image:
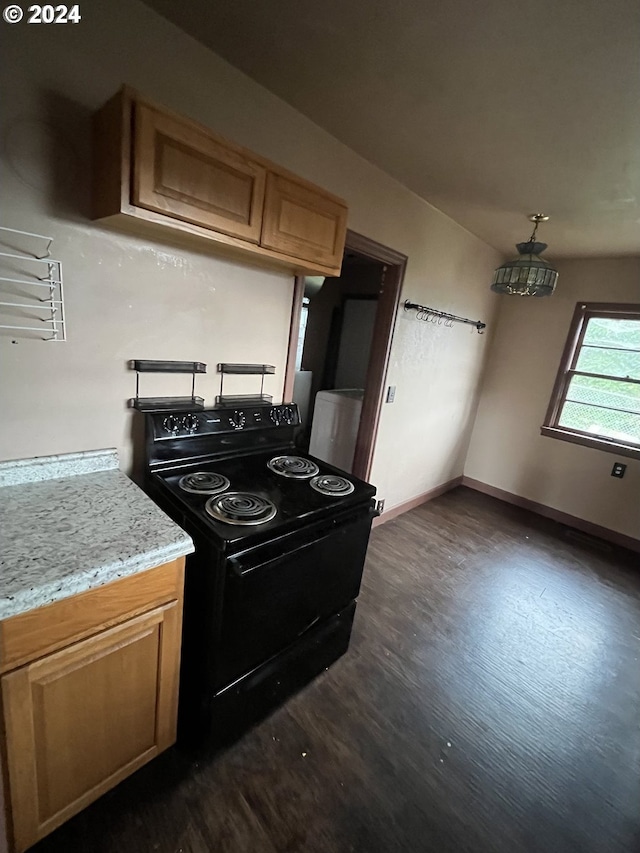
185,173
166,175
300,222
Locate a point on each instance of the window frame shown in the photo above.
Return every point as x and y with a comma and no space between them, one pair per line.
584,311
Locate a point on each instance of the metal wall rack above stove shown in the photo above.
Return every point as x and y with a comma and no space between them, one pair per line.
262,370
159,404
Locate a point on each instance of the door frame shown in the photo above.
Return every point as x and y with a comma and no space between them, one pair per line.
394,264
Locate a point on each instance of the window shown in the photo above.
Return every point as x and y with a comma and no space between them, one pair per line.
596,398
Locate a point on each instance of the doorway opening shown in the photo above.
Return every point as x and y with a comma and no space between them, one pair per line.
339,345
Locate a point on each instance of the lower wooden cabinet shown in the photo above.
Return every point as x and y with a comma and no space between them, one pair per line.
79,720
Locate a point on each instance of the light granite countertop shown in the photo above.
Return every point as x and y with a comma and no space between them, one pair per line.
73,522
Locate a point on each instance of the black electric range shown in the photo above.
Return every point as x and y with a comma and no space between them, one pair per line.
281,539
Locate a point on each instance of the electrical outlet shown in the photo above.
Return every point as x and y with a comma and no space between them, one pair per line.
380,506
618,469
391,393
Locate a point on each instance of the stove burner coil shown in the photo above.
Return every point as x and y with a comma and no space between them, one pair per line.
204,483
241,508
332,485
295,467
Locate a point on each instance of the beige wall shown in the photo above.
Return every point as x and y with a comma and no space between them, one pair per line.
507,449
127,298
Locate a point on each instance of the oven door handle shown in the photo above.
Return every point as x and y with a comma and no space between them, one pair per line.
241,569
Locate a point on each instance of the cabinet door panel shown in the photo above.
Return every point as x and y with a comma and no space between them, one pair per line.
80,720
303,222
187,174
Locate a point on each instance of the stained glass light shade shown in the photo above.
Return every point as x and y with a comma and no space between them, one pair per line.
526,275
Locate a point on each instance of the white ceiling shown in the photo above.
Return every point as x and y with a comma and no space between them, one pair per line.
488,110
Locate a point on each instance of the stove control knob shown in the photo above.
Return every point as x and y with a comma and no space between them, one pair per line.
190,423
171,424
274,414
288,415
237,420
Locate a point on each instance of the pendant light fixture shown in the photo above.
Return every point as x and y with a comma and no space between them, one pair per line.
528,274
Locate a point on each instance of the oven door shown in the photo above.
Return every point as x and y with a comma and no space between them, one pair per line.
275,593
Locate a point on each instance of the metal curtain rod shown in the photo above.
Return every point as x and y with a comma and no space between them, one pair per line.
432,315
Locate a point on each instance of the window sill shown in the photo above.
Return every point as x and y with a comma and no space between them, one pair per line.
590,441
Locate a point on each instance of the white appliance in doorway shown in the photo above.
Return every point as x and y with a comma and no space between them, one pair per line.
336,419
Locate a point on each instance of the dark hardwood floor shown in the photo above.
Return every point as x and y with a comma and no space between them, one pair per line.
490,702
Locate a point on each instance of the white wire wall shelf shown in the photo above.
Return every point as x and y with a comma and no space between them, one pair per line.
31,287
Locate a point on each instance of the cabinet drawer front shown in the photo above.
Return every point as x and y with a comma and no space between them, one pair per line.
186,174
82,719
302,222
36,633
